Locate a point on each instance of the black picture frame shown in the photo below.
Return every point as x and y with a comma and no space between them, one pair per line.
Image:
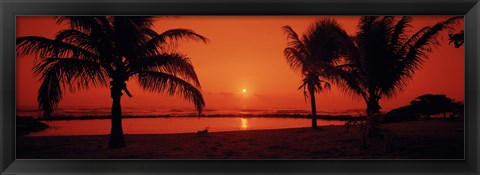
11,8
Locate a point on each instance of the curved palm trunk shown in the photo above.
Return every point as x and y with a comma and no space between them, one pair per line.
314,109
116,133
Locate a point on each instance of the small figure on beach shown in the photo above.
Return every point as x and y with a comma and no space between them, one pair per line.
202,132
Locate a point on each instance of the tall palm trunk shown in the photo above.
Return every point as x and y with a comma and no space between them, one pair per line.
314,108
371,127
116,133
372,104
373,108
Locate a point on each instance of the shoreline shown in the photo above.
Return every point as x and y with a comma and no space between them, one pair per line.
301,116
434,139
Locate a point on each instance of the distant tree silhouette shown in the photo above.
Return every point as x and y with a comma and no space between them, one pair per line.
383,57
314,56
425,105
103,51
404,113
457,39
429,104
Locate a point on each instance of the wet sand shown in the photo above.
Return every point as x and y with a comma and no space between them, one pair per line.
435,139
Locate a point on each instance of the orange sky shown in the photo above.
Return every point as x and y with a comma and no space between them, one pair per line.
247,52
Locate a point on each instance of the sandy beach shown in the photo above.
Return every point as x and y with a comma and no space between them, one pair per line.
435,139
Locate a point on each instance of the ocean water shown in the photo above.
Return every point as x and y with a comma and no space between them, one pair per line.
174,125
146,120
87,111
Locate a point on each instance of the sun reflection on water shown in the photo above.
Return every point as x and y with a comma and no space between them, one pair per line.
244,123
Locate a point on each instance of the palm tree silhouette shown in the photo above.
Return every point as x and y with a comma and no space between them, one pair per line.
457,39
101,51
315,56
383,57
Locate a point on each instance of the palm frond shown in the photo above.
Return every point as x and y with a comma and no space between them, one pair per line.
93,33
326,85
423,43
90,24
45,48
411,59
180,33
296,59
365,24
303,87
158,41
172,63
81,40
399,33
326,41
389,57
144,21
149,32
293,40
49,93
74,73
313,82
62,73
351,82
159,82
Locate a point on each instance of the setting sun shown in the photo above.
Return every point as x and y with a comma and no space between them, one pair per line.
244,90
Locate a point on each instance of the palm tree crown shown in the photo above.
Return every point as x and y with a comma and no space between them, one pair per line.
96,49
314,55
383,57
99,49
